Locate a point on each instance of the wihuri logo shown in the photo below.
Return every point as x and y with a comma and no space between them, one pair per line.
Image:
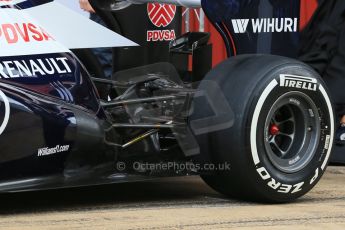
265,25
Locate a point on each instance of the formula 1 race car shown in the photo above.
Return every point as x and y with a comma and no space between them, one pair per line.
258,126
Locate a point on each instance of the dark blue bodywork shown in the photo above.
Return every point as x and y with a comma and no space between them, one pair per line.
49,105
223,13
43,114
58,104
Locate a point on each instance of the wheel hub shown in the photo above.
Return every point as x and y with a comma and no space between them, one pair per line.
274,130
291,135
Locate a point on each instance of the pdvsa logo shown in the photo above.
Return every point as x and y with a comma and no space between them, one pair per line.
161,15
22,33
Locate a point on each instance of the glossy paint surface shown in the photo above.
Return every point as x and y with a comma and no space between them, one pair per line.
256,26
43,98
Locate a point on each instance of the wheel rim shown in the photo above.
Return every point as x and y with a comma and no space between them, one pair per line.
292,132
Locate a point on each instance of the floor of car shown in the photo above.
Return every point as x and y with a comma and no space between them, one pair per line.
338,155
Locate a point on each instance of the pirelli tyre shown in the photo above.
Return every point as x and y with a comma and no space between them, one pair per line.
281,140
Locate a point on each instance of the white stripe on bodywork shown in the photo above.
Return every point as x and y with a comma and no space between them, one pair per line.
68,30
67,91
62,90
73,30
330,110
10,2
58,90
13,17
7,112
255,120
